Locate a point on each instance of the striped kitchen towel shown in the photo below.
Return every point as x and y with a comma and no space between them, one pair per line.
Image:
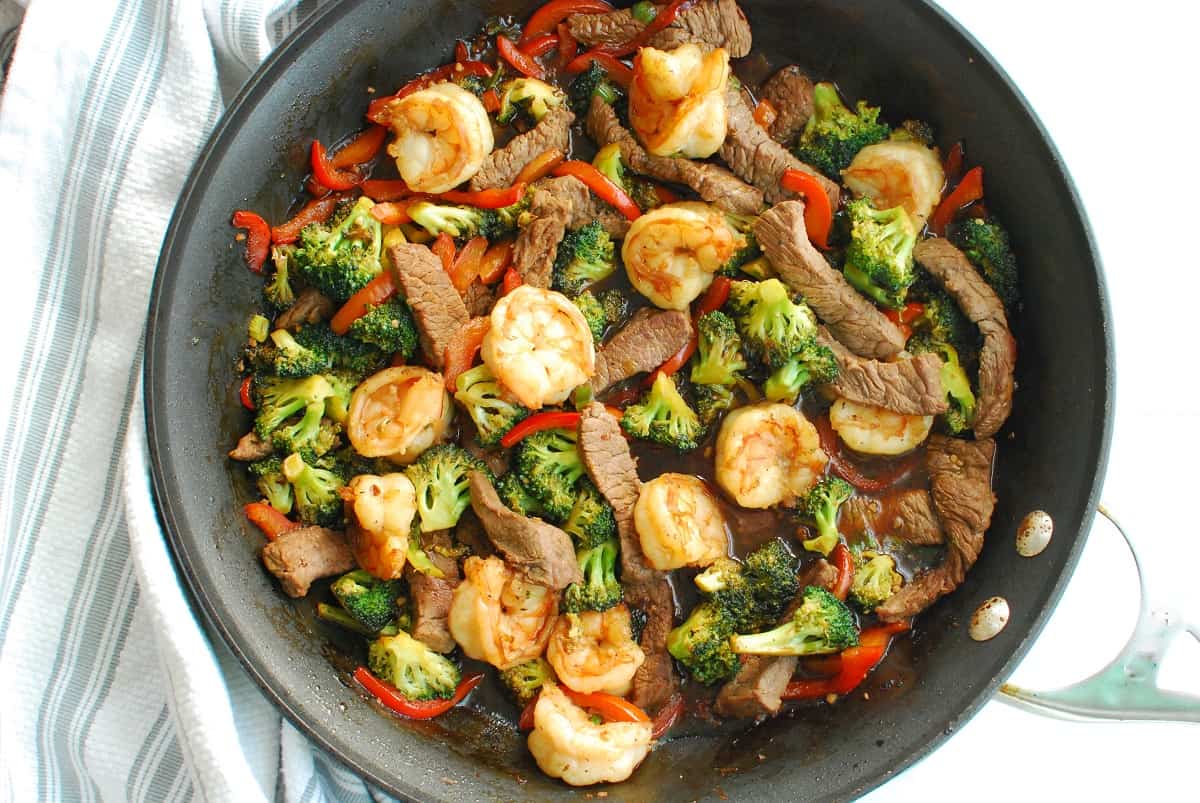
109,689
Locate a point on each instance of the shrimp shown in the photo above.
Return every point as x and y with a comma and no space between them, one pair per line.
874,430
383,507
677,100
443,134
539,346
672,252
567,744
399,413
595,651
898,173
679,523
768,454
500,617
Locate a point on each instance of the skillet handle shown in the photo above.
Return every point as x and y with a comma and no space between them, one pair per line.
1127,688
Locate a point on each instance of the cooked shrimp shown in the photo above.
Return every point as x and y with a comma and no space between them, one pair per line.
594,651
500,617
677,100
768,454
679,523
539,346
399,413
672,252
383,509
567,744
443,134
873,430
898,173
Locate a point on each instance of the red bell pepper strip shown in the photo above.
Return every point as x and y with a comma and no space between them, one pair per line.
525,722
714,297
765,113
386,189
818,214
905,316
609,706
539,45
491,101
952,167
881,635
376,291
244,393
314,188
258,238
541,166
495,261
667,716
465,268
547,18
377,110
847,471
661,20
464,345
519,61
845,566
315,211
665,194
968,190
486,199
600,184
512,280
329,176
856,664
460,51
387,694
362,148
568,48
443,248
620,72
555,419
266,518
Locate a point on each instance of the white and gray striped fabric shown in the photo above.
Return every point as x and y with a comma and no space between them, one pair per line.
109,690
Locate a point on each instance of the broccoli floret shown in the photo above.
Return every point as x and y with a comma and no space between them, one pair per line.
822,624
350,355
529,98
773,326
489,405
986,244
711,402
467,221
549,467
725,584
525,680
592,81
513,494
821,504
585,256
279,399
914,131
388,326
337,405
288,355
955,382
599,590
340,259
592,521
702,644
593,313
663,416
416,671
278,291
944,322
743,225
615,305
337,615
272,484
834,135
315,489
812,365
771,571
875,580
718,359
608,161
879,260
417,557
371,601
258,328
441,477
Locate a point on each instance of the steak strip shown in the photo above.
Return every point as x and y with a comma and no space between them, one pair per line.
431,596
790,91
436,306
250,447
711,23
906,515
502,165
311,306
302,556
910,386
649,339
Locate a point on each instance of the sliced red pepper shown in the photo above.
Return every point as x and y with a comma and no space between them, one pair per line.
547,18
714,297
495,261
386,189
329,176
266,518
968,190
539,45
665,194
443,248
460,51
491,101
525,722
465,268
568,48
850,473
387,694
621,73
519,61
258,238
464,345
377,110
844,562
667,716
765,113
952,167
245,395
600,184
661,20
512,280
486,199
541,166
856,664
315,211
818,214
555,419
314,188
376,291
675,362
609,706
362,148
881,635
905,316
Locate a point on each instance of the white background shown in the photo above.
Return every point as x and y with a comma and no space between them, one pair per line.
1116,85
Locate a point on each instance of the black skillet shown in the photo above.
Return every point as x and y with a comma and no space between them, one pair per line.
908,57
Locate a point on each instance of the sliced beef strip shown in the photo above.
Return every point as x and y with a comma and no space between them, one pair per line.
711,182
643,344
905,515
584,206
711,23
502,165
479,299
302,556
541,550
469,532
606,456
311,306
979,302
755,157
250,447
852,320
436,306
790,91
910,386
537,246
431,596
960,480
